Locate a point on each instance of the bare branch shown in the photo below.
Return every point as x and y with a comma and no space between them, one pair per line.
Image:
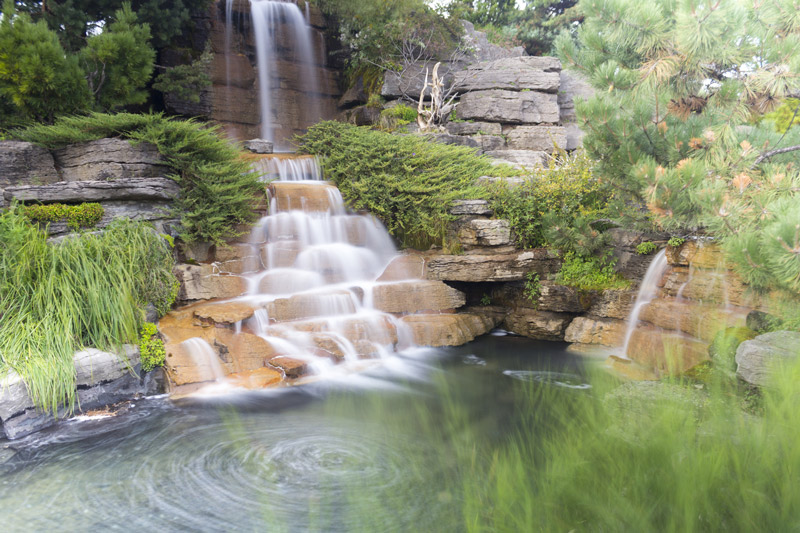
771,153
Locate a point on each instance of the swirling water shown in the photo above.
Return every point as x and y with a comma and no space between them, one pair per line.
332,456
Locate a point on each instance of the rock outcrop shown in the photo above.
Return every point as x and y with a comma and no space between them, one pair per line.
23,163
761,360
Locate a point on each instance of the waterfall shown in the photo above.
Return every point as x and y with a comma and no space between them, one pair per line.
648,290
267,16
204,357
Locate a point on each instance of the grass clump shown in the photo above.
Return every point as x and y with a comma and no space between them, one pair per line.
151,347
406,181
87,290
85,215
589,273
217,187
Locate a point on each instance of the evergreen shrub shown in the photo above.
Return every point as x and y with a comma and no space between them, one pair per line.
590,273
77,216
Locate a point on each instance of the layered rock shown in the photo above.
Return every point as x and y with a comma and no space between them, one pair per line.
509,107
23,163
109,159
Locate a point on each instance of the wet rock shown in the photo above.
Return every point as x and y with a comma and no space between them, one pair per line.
259,378
509,107
499,267
537,138
761,359
224,313
603,331
697,253
259,146
109,159
300,306
329,345
693,318
447,329
416,296
304,196
292,368
149,189
200,282
544,325
482,232
668,353
537,73
474,128
404,267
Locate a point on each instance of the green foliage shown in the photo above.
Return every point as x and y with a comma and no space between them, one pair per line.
87,290
187,82
671,122
38,80
675,242
646,248
554,206
533,288
785,116
406,181
217,189
119,61
151,347
397,116
722,349
589,273
486,299
77,216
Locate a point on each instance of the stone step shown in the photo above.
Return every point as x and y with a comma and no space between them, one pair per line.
310,305
304,196
448,329
416,296
131,189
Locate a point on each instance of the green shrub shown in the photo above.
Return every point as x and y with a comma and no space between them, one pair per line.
553,197
589,273
532,288
397,116
646,248
151,347
722,349
86,290
406,181
486,299
217,189
77,216
675,241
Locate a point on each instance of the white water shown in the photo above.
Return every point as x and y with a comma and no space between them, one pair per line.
648,290
267,16
204,357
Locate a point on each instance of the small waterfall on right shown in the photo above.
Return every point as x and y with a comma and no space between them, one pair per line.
647,291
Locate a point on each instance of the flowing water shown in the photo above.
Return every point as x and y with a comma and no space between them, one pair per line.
368,453
648,290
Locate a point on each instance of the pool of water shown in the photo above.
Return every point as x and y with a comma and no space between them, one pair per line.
372,451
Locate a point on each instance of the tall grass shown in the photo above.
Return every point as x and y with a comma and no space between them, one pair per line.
87,290
218,190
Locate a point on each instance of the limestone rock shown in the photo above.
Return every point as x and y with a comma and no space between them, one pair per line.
697,253
411,80
259,146
573,86
694,318
447,329
259,378
482,232
544,325
482,49
225,313
757,360
245,351
131,189
410,266
14,398
509,107
604,331
109,159
416,296
300,306
457,140
292,368
490,143
499,267
471,207
23,163
666,352
305,196
537,73
612,304
95,366
537,138
474,128
200,282
520,158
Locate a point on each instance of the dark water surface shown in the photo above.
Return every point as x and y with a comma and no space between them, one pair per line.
371,452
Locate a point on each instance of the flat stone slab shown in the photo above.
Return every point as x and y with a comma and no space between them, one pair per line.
415,296
97,191
471,207
509,107
474,128
514,73
538,138
496,267
521,158
259,146
110,158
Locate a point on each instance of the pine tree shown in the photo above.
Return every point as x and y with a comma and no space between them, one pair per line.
37,79
679,85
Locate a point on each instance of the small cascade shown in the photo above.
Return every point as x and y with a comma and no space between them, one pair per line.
205,359
267,16
648,290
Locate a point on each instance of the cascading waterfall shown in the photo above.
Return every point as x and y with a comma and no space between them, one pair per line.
266,17
648,290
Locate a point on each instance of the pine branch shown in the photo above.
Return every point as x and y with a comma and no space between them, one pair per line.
772,153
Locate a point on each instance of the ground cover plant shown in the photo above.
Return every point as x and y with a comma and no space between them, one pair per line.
217,188
406,181
86,290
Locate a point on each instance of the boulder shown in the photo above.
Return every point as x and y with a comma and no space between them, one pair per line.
471,207
201,282
259,378
544,325
259,146
612,304
483,232
604,331
693,318
94,366
537,73
225,313
291,367
109,159
130,189
509,107
722,349
447,329
474,128
498,267
761,359
537,138
416,296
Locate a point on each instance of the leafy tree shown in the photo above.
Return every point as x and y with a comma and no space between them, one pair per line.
119,61
186,82
37,79
678,86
